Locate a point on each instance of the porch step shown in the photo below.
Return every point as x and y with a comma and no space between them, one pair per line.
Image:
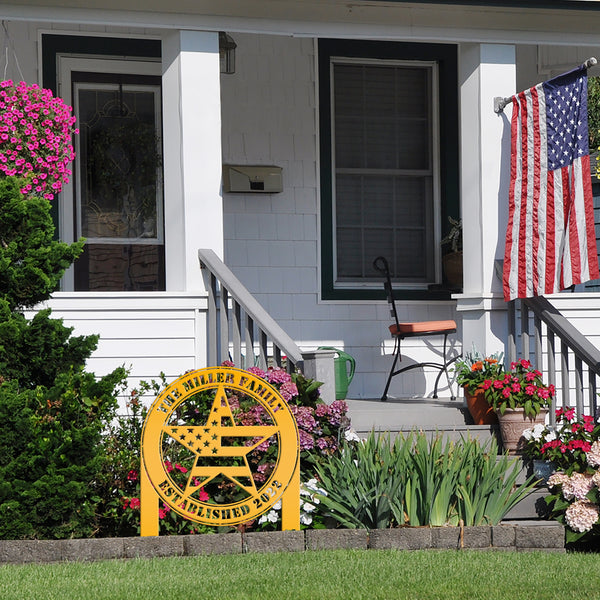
431,416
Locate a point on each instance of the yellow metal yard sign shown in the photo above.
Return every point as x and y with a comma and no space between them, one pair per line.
203,463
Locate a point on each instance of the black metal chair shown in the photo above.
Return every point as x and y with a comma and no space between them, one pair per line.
401,331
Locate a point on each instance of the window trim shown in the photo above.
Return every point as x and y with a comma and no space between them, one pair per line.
432,171
446,176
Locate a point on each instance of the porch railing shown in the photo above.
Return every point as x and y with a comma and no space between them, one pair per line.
569,360
239,329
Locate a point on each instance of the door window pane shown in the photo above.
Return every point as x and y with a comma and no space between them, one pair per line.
119,198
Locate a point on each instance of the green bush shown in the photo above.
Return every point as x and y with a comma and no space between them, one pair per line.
50,453
52,412
378,483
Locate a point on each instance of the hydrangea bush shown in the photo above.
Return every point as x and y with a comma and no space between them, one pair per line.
36,130
573,448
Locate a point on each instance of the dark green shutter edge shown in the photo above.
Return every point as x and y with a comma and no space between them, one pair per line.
446,55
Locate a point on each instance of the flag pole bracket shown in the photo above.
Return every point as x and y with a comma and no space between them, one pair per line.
500,102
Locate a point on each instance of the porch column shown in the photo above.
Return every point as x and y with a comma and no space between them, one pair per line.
486,71
192,154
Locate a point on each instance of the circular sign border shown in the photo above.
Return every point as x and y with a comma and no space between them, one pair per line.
262,392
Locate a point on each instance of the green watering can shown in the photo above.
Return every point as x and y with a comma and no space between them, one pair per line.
343,366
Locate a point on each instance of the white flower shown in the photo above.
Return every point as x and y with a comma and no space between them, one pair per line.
271,517
351,435
528,434
308,507
277,505
310,488
305,519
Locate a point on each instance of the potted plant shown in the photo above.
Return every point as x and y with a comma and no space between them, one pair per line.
520,399
452,259
471,372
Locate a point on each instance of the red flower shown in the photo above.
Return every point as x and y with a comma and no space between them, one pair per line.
134,503
202,495
132,475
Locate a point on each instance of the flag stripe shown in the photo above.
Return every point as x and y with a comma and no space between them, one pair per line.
550,238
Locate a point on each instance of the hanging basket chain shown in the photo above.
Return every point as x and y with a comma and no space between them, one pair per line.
8,44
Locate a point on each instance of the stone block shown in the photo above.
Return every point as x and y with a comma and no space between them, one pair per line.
152,546
92,549
549,550
479,536
540,535
400,538
273,541
219,543
333,539
503,536
447,538
30,551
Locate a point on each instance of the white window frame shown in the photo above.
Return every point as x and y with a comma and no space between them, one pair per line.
434,171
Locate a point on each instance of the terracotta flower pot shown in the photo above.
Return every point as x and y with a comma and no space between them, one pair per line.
481,411
512,425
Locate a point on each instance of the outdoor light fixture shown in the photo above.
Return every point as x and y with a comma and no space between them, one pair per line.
227,53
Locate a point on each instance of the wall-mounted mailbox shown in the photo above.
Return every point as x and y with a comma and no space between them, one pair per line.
248,179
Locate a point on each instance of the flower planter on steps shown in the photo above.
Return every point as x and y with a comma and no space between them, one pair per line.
512,425
481,411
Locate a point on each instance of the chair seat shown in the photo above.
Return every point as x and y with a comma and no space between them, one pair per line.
420,328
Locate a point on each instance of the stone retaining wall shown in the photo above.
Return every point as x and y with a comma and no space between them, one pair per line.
543,536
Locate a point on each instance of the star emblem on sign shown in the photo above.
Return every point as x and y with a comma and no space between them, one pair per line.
211,444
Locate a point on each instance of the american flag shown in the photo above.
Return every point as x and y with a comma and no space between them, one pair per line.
550,238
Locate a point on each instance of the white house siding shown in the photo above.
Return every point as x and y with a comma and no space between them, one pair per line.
148,333
269,117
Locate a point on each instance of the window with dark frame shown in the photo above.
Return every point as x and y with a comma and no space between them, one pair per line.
386,160
384,154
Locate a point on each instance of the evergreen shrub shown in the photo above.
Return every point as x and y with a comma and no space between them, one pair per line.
52,412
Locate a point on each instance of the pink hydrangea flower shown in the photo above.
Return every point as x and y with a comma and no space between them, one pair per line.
581,516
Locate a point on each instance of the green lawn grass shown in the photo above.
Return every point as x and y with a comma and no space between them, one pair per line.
348,575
